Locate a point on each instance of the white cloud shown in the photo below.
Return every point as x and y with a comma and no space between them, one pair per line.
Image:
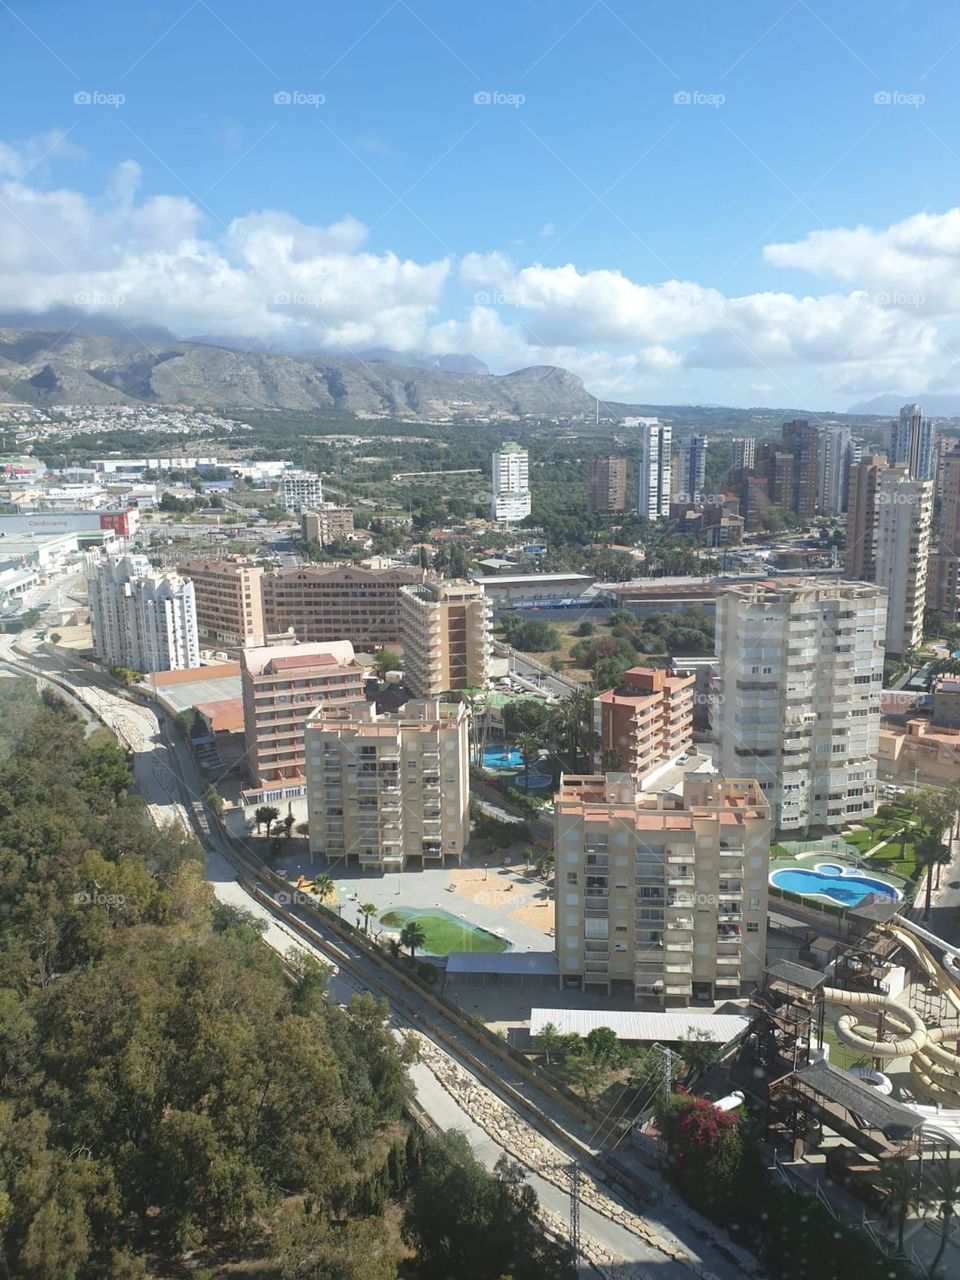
271,277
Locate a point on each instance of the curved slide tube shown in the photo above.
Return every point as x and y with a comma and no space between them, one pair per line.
900,1018
907,935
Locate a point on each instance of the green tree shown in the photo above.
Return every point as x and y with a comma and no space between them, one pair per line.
529,749
387,660
467,1223
266,815
214,801
602,1047
324,888
941,1191
899,1180
412,935
369,912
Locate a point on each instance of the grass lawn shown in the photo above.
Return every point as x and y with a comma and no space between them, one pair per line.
888,858
840,1054
444,933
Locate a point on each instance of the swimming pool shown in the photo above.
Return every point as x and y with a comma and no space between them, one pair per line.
502,757
844,885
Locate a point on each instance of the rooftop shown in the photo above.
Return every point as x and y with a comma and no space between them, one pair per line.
630,1024
256,661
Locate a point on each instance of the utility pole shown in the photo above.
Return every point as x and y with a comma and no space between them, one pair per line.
574,1172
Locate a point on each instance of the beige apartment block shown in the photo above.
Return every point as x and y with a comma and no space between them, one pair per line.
326,524
661,898
386,788
228,600
646,720
445,629
345,602
282,687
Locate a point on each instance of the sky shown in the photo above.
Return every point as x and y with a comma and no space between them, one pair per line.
733,202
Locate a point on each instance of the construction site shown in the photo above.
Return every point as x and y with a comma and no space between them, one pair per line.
856,1064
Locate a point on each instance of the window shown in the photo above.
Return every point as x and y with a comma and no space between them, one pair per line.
571,877
753,926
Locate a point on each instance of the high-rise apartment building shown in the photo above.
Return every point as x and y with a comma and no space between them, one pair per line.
863,516
327,524
445,630
300,491
797,706
949,479
608,483
653,486
511,483
837,453
385,788
744,451
345,602
911,443
903,547
661,897
282,687
228,601
943,584
142,618
693,468
802,440
644,722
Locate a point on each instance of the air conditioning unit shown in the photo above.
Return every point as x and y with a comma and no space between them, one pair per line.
282,697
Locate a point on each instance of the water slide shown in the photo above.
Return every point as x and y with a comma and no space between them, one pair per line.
935,1068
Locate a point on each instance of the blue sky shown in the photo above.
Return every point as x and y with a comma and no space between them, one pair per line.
544,226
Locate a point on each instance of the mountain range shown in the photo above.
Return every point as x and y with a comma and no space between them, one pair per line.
73,367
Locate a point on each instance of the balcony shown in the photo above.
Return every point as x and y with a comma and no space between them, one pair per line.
729,916
679,880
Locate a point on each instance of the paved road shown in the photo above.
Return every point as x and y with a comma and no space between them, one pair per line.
166,782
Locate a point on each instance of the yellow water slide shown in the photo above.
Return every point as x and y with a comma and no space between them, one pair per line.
935,1069
930,966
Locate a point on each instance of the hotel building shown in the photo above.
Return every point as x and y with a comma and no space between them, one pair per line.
647,720
445,630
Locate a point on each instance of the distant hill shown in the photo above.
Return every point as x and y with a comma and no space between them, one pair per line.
935,406
75,367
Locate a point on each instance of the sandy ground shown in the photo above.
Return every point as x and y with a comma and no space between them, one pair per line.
502,889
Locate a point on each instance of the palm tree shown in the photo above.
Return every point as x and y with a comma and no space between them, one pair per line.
412,935
930,852
550,1040
324,888
288,822
367,910
899,1180
266,814
941,1191
529,749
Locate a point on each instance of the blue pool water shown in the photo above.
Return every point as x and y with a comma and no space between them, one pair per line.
502,757
841,884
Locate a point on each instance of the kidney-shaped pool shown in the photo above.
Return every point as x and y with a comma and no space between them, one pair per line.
844,885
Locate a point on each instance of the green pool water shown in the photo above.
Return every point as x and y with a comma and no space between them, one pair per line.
444,933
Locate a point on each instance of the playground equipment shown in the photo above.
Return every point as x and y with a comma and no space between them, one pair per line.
883,1084
935,1069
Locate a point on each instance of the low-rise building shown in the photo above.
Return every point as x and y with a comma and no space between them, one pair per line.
282,687
445,630
326,524
647,720
386,788
661,897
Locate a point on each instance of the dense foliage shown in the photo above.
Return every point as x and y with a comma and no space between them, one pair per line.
164,1085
